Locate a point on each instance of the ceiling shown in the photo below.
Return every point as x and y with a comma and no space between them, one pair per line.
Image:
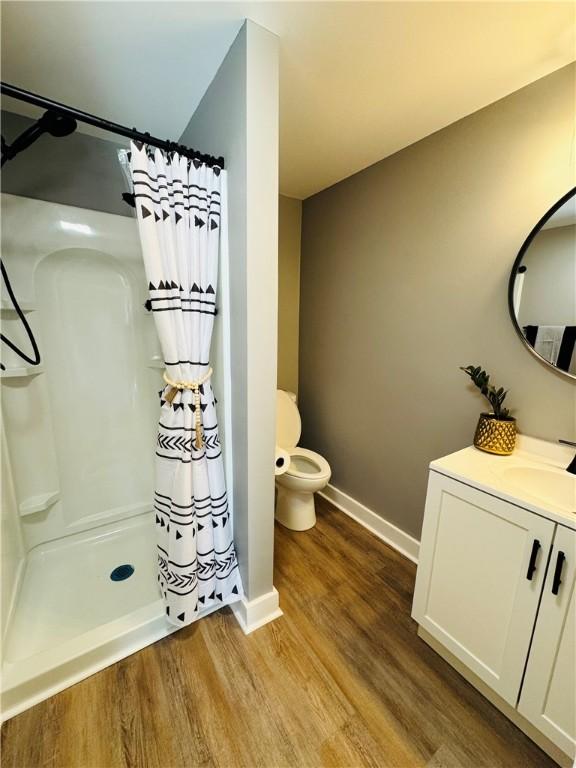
143,64
358,80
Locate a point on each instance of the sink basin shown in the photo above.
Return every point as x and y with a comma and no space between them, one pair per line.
551,486
533,477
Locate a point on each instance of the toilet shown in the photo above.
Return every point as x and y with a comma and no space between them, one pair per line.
307,472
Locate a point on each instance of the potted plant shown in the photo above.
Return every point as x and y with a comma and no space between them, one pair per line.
496,430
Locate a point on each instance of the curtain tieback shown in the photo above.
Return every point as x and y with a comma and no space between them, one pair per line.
194,386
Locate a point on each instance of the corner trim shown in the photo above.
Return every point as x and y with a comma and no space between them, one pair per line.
253,614
398,539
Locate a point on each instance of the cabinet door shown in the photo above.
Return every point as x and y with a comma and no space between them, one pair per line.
549,690
479,579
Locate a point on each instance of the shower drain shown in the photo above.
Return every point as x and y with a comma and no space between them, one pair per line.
122,572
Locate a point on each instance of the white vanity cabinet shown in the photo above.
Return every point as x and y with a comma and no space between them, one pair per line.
495,595
548,697
480,575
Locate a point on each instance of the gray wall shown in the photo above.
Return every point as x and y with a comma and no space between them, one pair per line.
238,118
78,170
549,288
289,236
404,278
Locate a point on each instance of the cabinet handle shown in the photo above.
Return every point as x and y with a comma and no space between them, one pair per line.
533,556
557,580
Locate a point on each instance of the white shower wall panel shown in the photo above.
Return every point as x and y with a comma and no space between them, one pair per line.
12,551
103,401
83,429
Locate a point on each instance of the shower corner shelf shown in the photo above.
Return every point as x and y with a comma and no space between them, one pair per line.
26,306
21,371
39,503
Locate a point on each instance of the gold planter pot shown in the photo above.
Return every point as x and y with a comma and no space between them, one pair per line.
495,436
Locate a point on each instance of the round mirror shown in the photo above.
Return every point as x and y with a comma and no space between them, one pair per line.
542,288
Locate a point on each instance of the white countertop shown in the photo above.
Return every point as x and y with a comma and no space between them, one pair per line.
516,478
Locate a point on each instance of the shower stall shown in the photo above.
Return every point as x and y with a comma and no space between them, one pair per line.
78,447
79,575
79,435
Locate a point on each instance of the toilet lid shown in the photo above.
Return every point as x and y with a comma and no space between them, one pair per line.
288,424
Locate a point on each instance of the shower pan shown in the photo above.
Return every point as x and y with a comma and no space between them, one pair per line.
78,433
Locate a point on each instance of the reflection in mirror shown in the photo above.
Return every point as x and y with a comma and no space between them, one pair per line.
542,292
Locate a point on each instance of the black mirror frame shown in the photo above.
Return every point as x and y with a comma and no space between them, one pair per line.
515,268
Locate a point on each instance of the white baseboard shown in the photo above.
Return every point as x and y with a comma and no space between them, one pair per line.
391,534
253,614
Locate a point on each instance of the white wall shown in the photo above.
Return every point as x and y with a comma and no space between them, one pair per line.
238,118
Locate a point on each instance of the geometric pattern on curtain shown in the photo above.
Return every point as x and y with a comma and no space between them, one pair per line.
178,205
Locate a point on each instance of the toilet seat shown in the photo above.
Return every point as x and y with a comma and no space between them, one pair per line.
323,468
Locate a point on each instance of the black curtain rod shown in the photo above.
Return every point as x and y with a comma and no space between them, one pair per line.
107,125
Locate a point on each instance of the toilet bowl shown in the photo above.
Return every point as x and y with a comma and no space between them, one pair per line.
307,472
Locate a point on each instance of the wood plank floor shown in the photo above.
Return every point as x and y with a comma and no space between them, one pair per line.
341,680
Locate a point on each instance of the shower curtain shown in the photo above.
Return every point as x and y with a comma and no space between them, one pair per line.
179,205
